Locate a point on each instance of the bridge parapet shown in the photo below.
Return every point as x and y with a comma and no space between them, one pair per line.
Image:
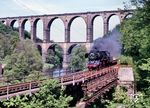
87,75
31,87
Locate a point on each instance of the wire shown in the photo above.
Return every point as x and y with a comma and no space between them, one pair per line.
23,5
78,31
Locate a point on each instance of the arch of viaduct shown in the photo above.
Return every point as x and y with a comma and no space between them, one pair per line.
67,19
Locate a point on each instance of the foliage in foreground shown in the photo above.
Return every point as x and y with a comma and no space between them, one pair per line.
50,96
120,98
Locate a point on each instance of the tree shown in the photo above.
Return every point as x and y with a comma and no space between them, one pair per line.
145,67
120,98
77,59
54,56
6,30
50,95
24,61
125,60
136,41
8,40
16,102
27,35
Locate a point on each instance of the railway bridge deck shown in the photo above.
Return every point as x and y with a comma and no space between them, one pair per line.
94,83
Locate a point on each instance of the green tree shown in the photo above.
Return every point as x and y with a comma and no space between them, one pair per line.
16,102
136,41
27,35
50,95
120,98
125,60
145,67
8,41
24,61
6,30
54,56
77,59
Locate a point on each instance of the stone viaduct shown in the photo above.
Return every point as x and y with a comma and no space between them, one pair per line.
67,19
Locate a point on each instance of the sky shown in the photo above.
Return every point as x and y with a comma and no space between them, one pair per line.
10,8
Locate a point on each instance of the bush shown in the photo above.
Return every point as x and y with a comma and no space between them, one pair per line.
125,60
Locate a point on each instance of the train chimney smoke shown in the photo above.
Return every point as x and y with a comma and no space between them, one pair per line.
110,42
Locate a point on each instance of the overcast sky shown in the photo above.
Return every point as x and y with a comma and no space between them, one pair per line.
9,8
30,7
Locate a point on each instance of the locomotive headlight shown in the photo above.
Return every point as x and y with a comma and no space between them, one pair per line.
91,56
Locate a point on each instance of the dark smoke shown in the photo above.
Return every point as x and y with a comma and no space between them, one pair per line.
110,42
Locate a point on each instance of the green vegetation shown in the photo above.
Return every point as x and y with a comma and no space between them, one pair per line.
77,59
26,33
125,60
21,58
8,41
50,96
24,61
136,47
136,41
54,57
120,98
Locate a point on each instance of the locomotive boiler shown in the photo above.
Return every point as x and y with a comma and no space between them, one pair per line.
99,59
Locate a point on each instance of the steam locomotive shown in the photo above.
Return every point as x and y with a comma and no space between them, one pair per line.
99,59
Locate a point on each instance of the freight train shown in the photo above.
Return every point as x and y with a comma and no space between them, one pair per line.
99,59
